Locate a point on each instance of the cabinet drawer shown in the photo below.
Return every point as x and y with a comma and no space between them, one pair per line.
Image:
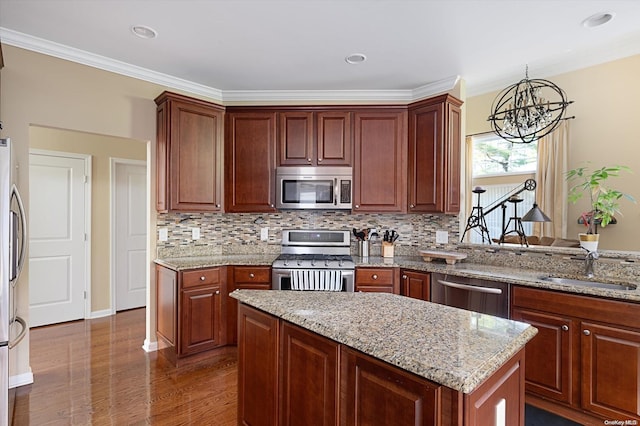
200,277
371,276
243,274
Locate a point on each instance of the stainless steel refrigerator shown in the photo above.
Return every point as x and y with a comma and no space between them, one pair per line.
12,254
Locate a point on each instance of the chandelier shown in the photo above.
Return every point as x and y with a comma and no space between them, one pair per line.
522,114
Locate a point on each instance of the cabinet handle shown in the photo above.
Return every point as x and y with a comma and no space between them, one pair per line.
412,205
308,160
217,206
404,277
374,276
565,328
271,205
252,275
319,160
357,206
217,291
586,332
202,278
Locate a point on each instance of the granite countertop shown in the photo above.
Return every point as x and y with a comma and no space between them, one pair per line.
453,347
521,276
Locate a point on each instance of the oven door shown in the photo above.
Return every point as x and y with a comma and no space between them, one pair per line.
483,296
281,279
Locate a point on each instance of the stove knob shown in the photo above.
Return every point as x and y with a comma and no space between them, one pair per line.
326,263
299,262
313,262
341,263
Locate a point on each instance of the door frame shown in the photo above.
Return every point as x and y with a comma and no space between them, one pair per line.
113,162
87,217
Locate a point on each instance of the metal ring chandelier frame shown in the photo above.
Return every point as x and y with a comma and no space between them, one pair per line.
521,115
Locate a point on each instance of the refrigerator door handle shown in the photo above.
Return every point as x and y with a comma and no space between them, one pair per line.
18,339
16,267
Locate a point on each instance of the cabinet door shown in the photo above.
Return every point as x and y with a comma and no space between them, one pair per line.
250,162
610,371
434,156
380,153
200,319
415,284
296,139
548,370
374,393
309,386
380,280
243,277
334,143
195,155
162,157
257,367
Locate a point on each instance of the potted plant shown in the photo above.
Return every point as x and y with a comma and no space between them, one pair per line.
604,201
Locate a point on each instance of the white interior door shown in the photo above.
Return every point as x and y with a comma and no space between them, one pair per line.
130,231
57,238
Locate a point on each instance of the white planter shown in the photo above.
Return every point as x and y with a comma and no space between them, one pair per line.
589,242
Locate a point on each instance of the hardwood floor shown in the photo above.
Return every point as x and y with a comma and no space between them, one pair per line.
96,372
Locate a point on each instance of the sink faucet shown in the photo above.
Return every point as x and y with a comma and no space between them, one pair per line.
589,260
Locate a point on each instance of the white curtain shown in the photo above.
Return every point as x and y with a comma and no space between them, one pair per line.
551,189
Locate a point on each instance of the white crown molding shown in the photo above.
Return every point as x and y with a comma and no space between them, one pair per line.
61,51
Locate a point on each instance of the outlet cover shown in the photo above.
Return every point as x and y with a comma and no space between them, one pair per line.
442,237
163,234
264,234
195,233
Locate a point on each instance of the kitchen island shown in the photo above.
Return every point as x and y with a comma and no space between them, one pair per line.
366,358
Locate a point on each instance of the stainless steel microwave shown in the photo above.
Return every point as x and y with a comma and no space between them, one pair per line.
326,188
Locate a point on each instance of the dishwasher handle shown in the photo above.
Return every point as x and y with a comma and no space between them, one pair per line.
471,287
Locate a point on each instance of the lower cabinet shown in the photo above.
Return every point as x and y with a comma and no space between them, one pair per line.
246,278
288,375
584,362
190,312
381,280
415,284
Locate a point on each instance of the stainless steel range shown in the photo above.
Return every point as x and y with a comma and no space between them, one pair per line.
314,260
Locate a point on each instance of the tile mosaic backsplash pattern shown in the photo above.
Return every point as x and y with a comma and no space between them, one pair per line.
222,233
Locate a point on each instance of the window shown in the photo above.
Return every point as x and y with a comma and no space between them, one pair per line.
501,168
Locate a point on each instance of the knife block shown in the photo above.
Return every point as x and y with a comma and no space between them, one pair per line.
387,249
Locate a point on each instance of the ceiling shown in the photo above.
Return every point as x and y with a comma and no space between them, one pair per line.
283,49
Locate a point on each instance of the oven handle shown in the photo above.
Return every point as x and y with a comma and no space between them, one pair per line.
471,287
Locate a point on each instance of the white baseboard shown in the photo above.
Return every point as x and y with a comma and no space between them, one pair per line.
101,314
149,346
21,379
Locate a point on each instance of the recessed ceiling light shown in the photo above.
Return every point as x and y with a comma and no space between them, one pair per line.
598,19
143,31
355,58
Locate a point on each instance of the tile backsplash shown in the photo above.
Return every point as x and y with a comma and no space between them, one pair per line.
226,233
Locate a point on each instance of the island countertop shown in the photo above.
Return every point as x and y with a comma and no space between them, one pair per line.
453,347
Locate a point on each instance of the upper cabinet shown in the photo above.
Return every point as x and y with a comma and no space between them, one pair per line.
380,152
250,146
189,154
315,138
434,155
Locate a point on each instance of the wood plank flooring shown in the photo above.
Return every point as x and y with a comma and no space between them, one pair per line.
96,372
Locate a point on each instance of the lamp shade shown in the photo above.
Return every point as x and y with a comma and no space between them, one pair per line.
535,215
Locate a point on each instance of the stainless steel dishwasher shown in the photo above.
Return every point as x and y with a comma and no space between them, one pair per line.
473,294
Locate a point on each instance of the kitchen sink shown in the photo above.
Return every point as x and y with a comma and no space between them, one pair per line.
584,283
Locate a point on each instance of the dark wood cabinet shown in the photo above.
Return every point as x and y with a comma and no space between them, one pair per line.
191,313
381,280
380,155
375,393
315,138
189,154
415,284
434,155
583,363
309,386
257,367
248,278
250,147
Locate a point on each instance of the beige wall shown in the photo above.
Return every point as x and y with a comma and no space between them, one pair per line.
604,132
102,149
39,90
